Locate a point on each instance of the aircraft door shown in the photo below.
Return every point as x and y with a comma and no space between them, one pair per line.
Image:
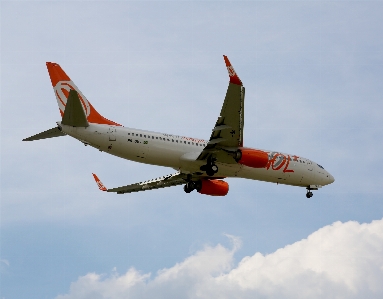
112,134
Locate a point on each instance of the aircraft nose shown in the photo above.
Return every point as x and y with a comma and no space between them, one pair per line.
329,179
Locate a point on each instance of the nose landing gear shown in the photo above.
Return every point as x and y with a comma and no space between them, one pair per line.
309,194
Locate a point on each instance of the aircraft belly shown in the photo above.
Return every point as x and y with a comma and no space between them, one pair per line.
229,170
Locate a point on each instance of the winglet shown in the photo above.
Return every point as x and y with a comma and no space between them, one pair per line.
232,74
99,183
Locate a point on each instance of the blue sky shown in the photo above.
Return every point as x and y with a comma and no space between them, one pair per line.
312,72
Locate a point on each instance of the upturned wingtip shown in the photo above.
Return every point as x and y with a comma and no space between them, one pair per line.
99,183
232,74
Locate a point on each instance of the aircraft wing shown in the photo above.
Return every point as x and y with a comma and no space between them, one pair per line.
228,130
162,182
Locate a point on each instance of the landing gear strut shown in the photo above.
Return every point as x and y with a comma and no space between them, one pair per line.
211,168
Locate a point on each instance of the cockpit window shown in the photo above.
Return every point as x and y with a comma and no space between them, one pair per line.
320,166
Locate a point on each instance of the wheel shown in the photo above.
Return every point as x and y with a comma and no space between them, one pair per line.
309,194
198,185
191,185
210,172
214,168
187,188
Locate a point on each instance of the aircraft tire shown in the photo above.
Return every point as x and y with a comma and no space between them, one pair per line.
309,194
187,188
198,185
210,172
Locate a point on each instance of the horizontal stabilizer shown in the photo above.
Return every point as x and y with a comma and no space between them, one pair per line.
74,114
55,132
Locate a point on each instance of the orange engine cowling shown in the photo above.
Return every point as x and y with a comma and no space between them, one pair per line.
213,187
253,158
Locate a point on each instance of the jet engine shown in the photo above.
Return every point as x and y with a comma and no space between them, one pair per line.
252,158
212,187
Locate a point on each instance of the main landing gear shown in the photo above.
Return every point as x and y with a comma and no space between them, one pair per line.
191,185
211,168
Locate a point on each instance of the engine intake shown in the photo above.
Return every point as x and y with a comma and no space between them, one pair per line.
213,187
252,158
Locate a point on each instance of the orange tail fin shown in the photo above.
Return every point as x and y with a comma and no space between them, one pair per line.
62,84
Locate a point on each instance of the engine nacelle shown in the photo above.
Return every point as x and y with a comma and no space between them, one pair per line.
252,158
213,187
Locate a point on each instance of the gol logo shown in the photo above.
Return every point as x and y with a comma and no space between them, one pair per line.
100,185
62,89
279,160
231,71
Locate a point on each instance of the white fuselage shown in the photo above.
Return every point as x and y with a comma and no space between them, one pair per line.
180,153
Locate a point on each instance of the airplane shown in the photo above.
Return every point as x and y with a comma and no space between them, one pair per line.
200,165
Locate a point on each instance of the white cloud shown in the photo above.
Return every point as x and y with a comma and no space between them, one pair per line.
342,260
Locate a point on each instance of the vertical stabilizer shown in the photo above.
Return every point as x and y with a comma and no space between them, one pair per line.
62,85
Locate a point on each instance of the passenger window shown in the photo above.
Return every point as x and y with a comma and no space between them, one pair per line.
177,141
188,142
157,137
145,136
172,140
152,137
185,142
140,135
192,143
